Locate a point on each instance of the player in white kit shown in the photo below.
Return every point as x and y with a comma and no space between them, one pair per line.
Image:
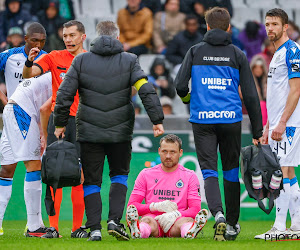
21,141
282,131
12,62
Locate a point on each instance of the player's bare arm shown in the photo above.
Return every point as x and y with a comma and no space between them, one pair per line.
3,98
45,112
290,106
30,70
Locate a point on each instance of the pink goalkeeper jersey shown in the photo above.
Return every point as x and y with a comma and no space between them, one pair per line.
157,185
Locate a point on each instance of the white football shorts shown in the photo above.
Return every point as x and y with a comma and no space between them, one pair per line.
20,140
288,149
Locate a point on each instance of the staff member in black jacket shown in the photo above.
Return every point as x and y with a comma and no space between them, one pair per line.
218,69
105,119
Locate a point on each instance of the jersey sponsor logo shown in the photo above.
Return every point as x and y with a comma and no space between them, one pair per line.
216,58
62,75
216,114
295,67
179,184
26,83
294,60
166,192
216,83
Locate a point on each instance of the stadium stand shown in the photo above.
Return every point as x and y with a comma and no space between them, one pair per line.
242,15
117,5
262,4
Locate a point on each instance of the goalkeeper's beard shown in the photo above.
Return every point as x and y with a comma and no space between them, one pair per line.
168,163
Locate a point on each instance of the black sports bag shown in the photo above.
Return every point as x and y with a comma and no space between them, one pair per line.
260,159
60,168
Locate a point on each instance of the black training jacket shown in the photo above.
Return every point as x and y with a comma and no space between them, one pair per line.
217,69
104,77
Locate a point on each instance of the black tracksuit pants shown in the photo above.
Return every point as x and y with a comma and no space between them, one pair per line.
207,139
92,158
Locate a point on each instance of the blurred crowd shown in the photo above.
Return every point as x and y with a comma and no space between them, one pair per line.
167,28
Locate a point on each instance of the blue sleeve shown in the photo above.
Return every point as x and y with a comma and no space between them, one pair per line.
293,62
3,58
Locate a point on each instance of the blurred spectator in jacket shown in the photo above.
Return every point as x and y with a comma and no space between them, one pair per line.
235,37
166,25
163,79
260,74
252,38
268,52
186,6
153,5
293,32
200,6
55,40
2,5
50,19
66,9
181,43
15,38
136,27
12,16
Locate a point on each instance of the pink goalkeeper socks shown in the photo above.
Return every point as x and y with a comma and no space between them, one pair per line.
145,230
184,228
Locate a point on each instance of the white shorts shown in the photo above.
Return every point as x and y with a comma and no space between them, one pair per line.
288,149
20,140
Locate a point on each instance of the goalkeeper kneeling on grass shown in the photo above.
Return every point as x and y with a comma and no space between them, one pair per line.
172,197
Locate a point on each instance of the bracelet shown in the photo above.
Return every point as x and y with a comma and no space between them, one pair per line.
28,63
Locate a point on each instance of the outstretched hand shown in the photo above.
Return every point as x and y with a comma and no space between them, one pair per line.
158,130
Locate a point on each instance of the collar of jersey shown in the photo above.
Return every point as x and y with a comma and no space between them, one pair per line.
283,45
23,50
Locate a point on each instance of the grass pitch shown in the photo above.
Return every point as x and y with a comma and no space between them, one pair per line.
13,239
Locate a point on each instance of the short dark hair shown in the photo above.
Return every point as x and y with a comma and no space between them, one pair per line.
35,27
190,17
171,138
217,18
276,12
108,28
79,25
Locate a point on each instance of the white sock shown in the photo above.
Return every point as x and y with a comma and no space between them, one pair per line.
5,194
294,205
32,196
282,206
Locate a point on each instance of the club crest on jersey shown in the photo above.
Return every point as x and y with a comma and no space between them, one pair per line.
62,75
26,83
179,184
290,132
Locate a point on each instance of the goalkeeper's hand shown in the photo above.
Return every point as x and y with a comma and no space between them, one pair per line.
186,99
164,206
167,220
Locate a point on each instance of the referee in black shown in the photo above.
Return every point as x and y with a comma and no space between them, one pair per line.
104,121
218,69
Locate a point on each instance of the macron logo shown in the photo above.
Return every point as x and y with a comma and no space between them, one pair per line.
216,114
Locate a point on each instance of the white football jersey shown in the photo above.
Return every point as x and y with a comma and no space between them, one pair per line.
284,66
32,93
12,62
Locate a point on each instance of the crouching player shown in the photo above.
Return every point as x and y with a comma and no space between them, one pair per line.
172,197
20,141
